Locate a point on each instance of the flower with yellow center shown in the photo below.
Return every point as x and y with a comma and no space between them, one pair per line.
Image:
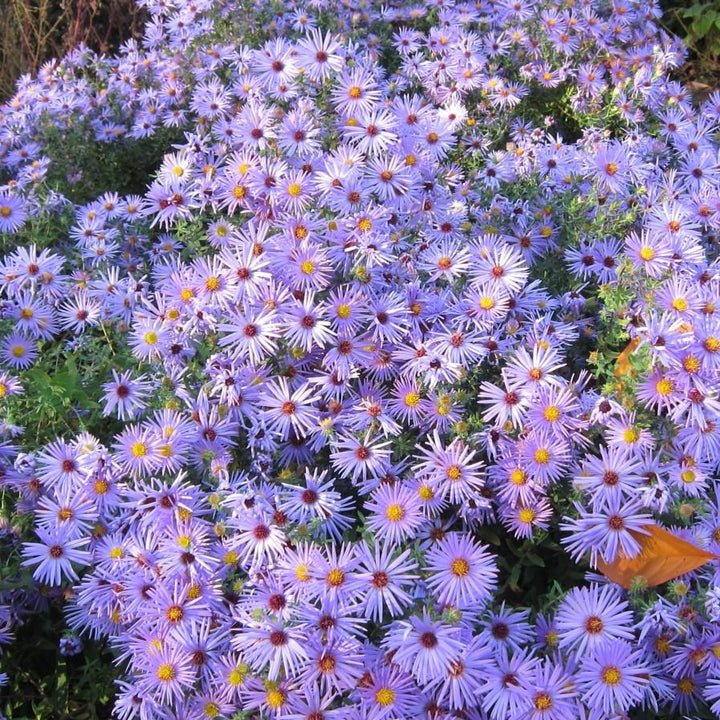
394,512
276,699
138,449
460,567
385,696
680,304
425,493
307,267
664,387
542,456
165,672
542,702
551,413
212,284
646,253
412,399
211,710
527,516
294,190
453,473
611,675
343,311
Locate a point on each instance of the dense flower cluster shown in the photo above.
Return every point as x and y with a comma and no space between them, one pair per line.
362,303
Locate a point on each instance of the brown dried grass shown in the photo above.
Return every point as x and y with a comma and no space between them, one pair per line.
34,31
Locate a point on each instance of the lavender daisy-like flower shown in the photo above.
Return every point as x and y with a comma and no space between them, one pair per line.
395,512
607,532
12,213
589,617
55,554
168,674
423,647
463,572
359,458
614,678
125,396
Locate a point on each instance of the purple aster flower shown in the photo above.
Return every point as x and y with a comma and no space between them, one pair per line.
552,694
385,578
507,683
125,396
167,675
18,351
55,555
395,513
607,532
389,694
423,647
12,213
274,647
613,678
463,573
359,458
589,617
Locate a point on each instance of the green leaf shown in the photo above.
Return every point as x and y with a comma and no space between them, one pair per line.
701,26
536,560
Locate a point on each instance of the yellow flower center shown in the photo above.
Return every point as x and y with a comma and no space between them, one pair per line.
394,512
117,553
630,436
212,284
454,473
664,387
646,253
680,304
384,697
688,476
542,456
551,413
5,211
460,567
518,477
611,675
307,267
364,225
426,493
335,577
186,294
344,311
412,399
174,613
487,303
165,673
526,515
211,710
302,573
276,699
151,337
355,92
691,364
542,702
138,449
294,190
711,344
100,487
